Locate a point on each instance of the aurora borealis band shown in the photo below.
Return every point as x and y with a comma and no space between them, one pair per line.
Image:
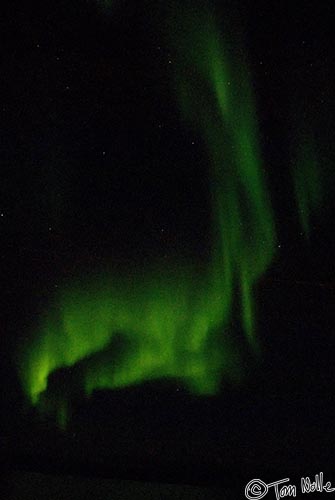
170,319
307,181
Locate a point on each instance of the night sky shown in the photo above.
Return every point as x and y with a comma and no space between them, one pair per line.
97,166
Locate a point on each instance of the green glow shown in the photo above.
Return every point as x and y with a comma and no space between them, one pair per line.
216,98
164,315
173,316
307,181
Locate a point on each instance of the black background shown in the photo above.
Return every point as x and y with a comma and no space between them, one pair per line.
94,163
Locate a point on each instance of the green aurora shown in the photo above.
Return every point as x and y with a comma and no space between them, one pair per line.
307,181
171,320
